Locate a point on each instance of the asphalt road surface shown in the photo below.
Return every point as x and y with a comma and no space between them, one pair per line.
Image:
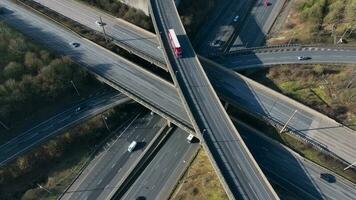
299,178
162,174
256,25
99,180
280,56
147,42
224,27
56,124
244,93
238,170
138,39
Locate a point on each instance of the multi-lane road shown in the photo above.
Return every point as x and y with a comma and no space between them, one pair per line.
56,124
275,56
272,107
100,178
143,42
298,178
259,20
162,174
161,96
239,172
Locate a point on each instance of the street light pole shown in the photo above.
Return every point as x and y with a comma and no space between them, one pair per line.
290,118
102,26
41,187
349,166
75,87
104,119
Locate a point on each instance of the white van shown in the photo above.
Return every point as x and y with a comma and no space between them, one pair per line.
132,146
190,138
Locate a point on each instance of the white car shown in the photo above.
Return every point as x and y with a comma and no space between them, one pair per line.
236,18
132,146
190,138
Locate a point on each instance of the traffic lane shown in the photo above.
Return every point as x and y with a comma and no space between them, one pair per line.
300,177
114,160
222,26
255,27
113,68
265,102
58,123
161,175
322,55
145,130
213,118
124,32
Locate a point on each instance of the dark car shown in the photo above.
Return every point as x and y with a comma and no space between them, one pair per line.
303,58
328,177
75,44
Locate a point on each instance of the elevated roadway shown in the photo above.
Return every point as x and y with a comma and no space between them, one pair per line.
160,96
57,124
132,38
239,173
140,41
266,57
296,177
305,120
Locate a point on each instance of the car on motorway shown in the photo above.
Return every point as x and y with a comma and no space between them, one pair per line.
303,58
328,177
190,138
78,109
99,23
236,18
217,43
75,44
132,146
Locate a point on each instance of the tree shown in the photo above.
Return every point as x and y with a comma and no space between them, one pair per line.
13,70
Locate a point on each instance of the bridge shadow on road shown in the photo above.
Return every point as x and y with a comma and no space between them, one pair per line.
235,85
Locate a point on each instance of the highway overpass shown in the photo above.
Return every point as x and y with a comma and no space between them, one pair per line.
58,123
237,169
236,89
145,44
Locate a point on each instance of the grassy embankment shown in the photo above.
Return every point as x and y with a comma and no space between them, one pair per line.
329,89
311,21
199,181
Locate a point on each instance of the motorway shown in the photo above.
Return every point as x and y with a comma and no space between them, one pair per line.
256,25
100,178
162,174
275,56
139,40
161,96
224,27
239,172
146,42
58,123
299,178
34,33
